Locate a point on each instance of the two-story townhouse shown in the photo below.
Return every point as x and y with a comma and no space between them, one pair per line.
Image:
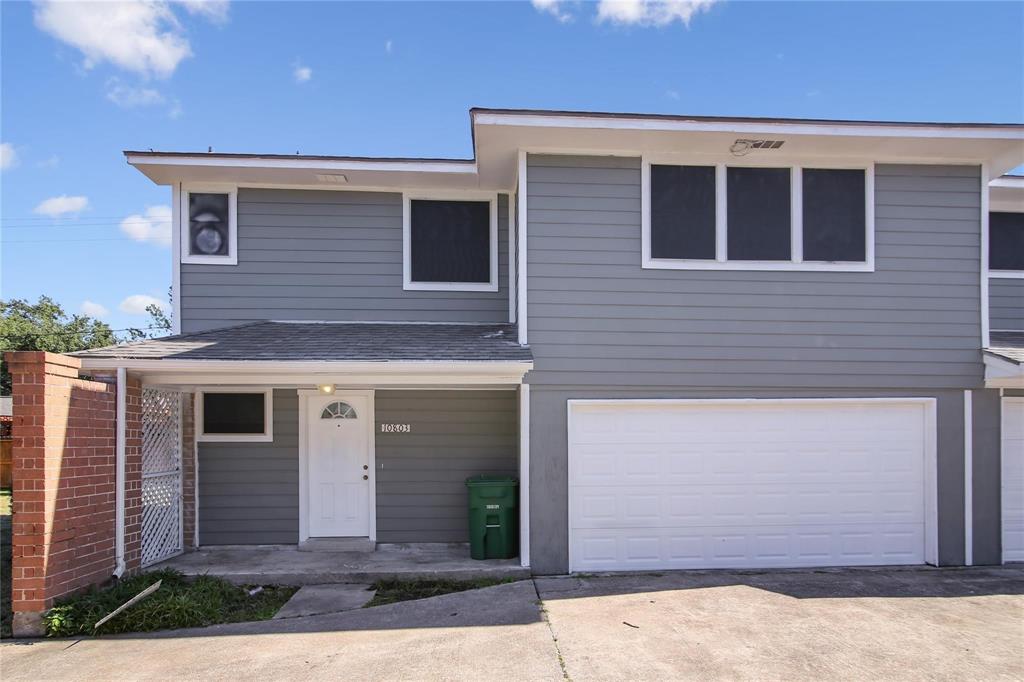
700,342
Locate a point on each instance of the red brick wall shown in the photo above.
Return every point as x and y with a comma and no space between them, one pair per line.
188,470
64,482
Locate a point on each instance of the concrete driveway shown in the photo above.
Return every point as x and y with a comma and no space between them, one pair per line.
837,624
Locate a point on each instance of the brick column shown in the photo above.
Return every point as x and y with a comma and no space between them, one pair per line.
133,476
188,469
64,483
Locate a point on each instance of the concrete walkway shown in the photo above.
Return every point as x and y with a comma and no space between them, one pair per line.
287,565
794,625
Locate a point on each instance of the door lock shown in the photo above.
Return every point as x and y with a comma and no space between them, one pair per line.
365,467
365,477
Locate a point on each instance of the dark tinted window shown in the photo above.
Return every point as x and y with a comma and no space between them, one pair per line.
759,214
683,212
834,215
208,224
1006,241
233,413
451,241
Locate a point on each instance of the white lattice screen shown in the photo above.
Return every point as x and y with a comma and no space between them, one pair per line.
161,475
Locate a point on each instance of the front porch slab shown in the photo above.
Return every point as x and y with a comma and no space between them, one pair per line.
286,565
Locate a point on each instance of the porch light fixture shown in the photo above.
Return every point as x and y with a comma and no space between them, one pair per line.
326,389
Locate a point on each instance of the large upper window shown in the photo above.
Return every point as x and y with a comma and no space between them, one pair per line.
1006,241
451,244
235,416
209,232
758,218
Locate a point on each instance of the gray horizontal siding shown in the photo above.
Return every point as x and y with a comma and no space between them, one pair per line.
326,255
249,492
1006,303
421,492
597,318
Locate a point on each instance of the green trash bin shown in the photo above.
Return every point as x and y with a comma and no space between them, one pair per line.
493,517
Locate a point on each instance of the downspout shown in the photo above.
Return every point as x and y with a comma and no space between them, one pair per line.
120,437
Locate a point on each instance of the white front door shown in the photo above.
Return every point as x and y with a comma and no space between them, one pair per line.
339,463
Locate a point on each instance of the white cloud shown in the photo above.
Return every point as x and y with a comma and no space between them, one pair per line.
154,225
388,45
93,309
651,12
51,162
555,8
137,303
56,207
8,157
302,73
213,10
673,94
142,36
130,97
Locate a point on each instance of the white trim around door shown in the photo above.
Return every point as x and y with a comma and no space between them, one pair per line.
305,396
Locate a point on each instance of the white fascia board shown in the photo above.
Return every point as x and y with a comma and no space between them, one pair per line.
748,127
480,368
458,167
1010,182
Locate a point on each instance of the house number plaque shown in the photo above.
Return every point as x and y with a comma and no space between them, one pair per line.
395,428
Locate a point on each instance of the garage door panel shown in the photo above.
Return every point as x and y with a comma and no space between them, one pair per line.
647,549
735,485
1013,478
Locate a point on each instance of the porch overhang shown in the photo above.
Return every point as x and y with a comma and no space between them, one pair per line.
1004,360
298,374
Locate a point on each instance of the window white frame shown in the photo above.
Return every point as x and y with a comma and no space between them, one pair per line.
722,261
1000,274
407,282
183,225
268,417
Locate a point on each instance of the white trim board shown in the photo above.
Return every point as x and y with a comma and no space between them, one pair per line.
521,291
968,478
721,261
524,475
930,446
407,282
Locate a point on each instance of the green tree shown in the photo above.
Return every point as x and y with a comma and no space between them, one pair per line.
45,326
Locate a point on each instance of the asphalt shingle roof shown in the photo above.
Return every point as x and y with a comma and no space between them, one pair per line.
355,341
1009,345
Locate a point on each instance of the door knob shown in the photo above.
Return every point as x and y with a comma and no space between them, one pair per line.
365,477
365,467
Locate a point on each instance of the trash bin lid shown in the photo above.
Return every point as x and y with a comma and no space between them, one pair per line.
485,480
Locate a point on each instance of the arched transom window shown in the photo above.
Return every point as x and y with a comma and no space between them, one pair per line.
338,410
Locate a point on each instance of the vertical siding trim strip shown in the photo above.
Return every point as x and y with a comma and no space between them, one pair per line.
176,258
985,323
968,478
524,475
523,226
512,247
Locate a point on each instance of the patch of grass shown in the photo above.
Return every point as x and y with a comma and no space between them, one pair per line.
391,591
5,562
179,603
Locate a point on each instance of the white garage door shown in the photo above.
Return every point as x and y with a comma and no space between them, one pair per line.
727,484
1013,479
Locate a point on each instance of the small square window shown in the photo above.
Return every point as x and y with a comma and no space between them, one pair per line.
209,230
235,416
450,244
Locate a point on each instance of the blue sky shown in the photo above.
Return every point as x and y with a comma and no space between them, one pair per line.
397,79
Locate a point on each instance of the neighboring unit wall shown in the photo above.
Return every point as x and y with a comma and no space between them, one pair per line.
985,484
249,492
600,326
1006,303
326,255
421,491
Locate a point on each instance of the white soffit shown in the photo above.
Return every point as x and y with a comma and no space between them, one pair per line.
1007,194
